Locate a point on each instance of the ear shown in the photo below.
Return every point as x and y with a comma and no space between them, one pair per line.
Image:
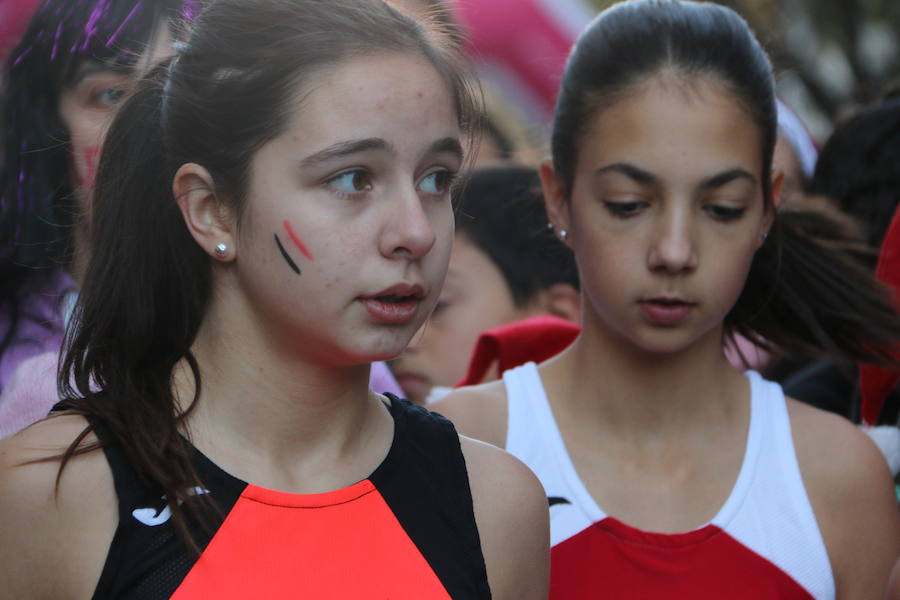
777,186
769,218
564,301
206,218
554,197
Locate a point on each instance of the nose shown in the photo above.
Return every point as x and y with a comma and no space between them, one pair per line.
673,249
408,230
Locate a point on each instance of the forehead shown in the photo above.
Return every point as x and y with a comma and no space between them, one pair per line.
396,97
135,62
666,125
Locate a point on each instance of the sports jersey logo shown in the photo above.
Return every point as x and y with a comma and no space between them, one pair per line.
554,500
151,517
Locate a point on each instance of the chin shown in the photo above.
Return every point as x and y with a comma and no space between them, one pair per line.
382,350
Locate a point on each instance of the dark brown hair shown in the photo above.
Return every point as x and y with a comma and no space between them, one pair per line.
38,208
803,293
226,93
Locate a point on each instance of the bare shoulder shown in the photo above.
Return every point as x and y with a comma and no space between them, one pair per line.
513,521
43,526
852,494
478,411
834,454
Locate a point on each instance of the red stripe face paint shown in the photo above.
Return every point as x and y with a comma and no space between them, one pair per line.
90,161
85,177
296,240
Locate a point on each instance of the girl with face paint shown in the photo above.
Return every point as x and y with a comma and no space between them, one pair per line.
669,473
62,84
271,215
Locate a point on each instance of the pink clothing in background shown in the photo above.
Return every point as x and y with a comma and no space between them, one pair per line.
381,380
41,321
14,18
522,45
31,391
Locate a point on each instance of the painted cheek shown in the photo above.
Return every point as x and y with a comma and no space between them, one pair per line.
86,177
296,240
287,257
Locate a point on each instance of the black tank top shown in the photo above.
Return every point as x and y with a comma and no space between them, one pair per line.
406,532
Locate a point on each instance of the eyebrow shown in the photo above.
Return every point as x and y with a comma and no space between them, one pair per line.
447,145
93,67
646,178
342,149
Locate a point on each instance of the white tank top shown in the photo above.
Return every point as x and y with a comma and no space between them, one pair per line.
763,543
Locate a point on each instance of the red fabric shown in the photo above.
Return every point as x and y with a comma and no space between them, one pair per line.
342,544
521,35
14,18
530,340
875,383
614,560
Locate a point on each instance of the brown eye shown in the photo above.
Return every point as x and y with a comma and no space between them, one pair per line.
352,182
437,182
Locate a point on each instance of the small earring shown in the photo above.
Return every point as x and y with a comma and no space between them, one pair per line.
221,249
563,234
765,235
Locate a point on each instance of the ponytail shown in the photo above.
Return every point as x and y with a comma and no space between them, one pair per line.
144,296
810,292
231,89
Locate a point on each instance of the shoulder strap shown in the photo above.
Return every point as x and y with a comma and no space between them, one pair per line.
425,482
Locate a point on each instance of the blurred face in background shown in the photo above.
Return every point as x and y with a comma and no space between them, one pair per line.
87,108
475,298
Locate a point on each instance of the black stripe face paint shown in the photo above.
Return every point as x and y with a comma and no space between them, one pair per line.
286,257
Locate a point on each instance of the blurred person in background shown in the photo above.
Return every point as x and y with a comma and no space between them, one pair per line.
216,378
505,266
668,472
857,173
795,153
14,18
859,167
62,85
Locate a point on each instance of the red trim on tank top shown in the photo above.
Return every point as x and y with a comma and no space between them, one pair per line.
320,500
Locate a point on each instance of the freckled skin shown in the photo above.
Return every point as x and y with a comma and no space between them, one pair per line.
388,232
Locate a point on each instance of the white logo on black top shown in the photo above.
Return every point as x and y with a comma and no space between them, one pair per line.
151,517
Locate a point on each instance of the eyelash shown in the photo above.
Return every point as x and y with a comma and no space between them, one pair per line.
725,214
353,172
98,94
450,176
625,210
450,180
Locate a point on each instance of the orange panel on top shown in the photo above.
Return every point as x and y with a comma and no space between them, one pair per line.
337,545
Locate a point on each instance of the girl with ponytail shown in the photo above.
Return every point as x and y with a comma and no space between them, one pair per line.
60,87
271,214
670,474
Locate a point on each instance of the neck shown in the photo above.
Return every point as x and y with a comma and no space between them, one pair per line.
629,391
270,414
